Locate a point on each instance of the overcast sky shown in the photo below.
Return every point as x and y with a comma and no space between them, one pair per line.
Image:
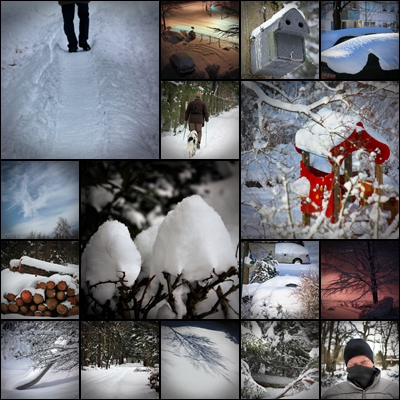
34,194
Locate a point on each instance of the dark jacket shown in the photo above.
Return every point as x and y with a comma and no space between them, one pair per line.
379,389
61,3
198,112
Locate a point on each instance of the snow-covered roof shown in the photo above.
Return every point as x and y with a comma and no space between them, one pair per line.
274,18
317,139
328,39
351,56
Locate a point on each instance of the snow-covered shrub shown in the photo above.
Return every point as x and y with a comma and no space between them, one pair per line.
265,269
212,71
189,267
250,388
308,295
154,379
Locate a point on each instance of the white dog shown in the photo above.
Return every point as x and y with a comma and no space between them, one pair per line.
192,143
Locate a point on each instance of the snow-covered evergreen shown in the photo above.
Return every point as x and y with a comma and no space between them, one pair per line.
265,269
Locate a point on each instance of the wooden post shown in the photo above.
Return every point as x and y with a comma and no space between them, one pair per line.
336,192
305,157
379,178
348,167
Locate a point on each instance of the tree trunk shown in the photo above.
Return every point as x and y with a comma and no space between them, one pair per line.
36,380
371,260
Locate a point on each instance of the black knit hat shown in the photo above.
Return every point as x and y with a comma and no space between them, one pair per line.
357,347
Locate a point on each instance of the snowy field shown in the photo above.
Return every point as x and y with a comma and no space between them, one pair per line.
118,382
199,360
220,139
202,52
60,385
97,104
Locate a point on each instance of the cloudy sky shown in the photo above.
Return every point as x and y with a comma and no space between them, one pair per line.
34,194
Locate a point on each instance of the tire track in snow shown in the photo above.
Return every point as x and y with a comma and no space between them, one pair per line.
79,122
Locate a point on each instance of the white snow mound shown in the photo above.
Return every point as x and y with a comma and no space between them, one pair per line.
109,252
192,240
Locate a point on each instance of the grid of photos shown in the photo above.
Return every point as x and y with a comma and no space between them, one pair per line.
199,200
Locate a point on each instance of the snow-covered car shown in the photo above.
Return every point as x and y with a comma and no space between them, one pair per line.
182,62
360,53
273,294
291,253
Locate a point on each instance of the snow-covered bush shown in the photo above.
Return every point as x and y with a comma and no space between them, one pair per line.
189,267
308,295
250,388
265,269
154,379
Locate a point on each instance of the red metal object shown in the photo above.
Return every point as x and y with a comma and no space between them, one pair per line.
361,139
321,183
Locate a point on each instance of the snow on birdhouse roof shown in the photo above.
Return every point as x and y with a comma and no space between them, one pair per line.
274,18
334,128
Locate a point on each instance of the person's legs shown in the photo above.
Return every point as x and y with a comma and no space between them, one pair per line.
83,14
198,129
68,11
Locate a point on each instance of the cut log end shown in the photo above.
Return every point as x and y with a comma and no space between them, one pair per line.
26,296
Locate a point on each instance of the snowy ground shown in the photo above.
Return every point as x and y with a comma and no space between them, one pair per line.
118,382
222,139
202,52
199,360
60,385
97,104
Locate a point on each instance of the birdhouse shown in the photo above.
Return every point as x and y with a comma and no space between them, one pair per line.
278,48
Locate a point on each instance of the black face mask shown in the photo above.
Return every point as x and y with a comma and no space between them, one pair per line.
361,376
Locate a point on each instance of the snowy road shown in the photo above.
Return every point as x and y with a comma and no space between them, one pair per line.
116,383
97,104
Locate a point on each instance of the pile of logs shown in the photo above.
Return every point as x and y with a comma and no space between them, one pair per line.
31,302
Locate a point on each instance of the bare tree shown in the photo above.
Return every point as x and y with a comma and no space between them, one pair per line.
233,30
63,229
362,267
168,7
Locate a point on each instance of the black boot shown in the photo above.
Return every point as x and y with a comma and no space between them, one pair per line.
84,46
198,145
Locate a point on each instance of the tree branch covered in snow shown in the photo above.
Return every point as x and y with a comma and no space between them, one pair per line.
272,114
51,342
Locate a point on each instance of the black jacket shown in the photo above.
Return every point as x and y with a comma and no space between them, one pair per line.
198,112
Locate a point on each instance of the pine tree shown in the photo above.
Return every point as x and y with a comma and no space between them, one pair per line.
265,269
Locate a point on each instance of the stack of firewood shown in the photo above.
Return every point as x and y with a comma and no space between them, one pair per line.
57,300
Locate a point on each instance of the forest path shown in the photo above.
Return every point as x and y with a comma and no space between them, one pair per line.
118,382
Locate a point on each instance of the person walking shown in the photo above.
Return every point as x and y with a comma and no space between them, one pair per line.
68,11
196,113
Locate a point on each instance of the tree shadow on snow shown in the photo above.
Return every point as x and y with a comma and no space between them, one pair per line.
202,352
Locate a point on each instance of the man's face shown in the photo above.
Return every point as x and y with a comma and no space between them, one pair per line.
360,360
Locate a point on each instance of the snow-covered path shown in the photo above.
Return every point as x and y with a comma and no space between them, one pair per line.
76,112
97,104
116,383
220,139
